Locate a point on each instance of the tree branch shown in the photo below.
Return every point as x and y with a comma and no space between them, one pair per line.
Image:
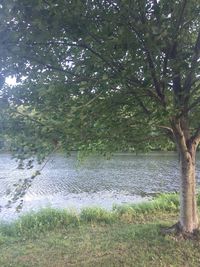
193,105
188,80
140,102
179,135
111,65
76,44
169,131
28,117
164,72
149,56
49,66
195,139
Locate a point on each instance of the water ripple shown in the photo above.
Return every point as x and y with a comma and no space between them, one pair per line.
126,175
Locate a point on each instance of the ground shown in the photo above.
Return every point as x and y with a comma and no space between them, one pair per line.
130,239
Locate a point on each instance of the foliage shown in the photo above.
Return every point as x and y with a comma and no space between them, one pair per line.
36,223
97,76
97,215
163,202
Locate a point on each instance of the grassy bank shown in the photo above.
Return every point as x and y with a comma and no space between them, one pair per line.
127,236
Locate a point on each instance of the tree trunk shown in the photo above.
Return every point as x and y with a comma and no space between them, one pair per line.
187,145
188,204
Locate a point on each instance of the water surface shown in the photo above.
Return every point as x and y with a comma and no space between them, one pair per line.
96,182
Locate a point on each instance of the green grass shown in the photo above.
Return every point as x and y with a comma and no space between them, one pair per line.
129,235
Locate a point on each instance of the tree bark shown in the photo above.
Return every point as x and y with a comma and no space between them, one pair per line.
188,221
188,203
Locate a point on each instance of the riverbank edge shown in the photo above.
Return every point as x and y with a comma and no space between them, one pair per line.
129,235
33,224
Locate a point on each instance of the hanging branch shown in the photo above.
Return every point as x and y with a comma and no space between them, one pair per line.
22,186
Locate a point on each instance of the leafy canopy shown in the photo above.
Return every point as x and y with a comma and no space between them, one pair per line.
98,75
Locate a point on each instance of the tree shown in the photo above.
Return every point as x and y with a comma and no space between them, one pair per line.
106,75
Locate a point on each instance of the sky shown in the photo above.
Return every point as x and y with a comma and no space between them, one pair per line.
11,80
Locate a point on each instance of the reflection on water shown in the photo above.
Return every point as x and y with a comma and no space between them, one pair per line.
64,183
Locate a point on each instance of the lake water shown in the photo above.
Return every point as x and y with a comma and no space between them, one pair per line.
64,183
